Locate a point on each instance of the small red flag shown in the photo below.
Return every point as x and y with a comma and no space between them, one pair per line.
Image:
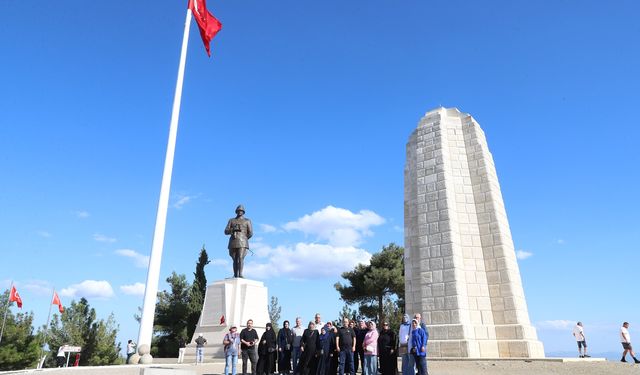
15,297
222,320
56,301
207,23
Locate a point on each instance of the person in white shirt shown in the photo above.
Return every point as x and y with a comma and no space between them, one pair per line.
318,322
61,357
625,339
298,331
404,347
131,349
578,333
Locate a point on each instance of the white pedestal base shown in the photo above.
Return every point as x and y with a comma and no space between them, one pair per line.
238,300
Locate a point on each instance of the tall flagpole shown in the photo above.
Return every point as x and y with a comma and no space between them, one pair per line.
6,310
153,275
46,331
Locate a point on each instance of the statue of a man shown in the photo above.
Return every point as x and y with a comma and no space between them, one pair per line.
240,230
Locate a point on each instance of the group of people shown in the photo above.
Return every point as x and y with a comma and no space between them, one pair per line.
625,340
325,349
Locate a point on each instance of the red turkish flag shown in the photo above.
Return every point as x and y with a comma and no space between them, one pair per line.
222,320
207,23
56,301
15,297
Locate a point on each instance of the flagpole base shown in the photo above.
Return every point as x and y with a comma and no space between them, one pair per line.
134,359
143,356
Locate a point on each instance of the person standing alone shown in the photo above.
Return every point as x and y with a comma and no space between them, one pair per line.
578,333
182,347
131,349
200,343
625,339
61,358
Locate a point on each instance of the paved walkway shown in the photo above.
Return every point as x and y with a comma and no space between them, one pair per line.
436,367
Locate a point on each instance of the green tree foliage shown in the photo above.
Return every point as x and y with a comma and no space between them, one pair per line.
393,313
274,312
346,312
172,312
197,293
78,326
19,348
370,285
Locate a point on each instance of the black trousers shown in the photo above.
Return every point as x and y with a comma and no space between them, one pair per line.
251,355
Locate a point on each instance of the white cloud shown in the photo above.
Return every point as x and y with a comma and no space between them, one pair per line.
139,260
560,324
266,228
89,289
136,289
183,199
304,261
39,287
522,254
44,233
338,226
560,241
82,214
219,262
102,238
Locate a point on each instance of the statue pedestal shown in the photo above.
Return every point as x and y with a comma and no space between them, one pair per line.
238,300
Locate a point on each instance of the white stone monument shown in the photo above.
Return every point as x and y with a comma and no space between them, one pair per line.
461,270
238,300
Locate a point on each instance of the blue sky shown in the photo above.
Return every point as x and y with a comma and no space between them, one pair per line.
304,110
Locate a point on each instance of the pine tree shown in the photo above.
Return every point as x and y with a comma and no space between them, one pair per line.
371,285
197,293
346,312
19,348
274,312
170,321
78,326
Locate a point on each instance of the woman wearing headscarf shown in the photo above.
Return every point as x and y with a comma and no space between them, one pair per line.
309,344
387,351
267,352
419,338
327,349
285,342
370,345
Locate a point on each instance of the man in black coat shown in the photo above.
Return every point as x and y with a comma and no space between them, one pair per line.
358,355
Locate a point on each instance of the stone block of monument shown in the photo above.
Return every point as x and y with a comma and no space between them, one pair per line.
461,270
238,300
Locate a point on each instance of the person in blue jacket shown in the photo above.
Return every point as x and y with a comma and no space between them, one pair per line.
419,338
